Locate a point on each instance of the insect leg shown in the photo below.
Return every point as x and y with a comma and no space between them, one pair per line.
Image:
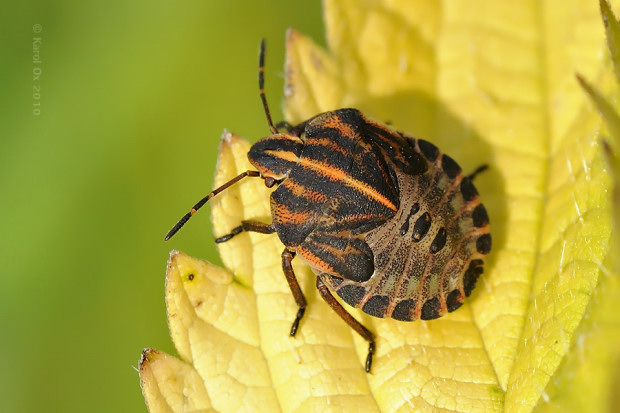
287,257
348,318
478,170
251,226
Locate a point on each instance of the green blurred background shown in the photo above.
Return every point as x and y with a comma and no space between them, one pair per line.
133,99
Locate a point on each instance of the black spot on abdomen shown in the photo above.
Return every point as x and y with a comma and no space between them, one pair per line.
404,311
430,309
429,150
483,244
376,306
439,242
471,276
468,190
450,167
421,227
454,300
351,294
480,216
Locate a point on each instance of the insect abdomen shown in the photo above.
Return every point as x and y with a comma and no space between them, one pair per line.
428,257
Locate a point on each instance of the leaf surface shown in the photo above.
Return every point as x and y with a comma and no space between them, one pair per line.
489,83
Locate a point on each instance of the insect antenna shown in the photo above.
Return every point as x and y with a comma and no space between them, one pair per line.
204,200
261,86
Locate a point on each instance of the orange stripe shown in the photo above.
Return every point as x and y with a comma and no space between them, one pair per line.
284,155
336,174
335,122
349,249
286,137
328,143
288,216
314,261
304,192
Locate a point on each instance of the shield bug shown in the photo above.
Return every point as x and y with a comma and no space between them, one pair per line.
385,220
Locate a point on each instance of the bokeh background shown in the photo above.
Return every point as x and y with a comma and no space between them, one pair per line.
133,99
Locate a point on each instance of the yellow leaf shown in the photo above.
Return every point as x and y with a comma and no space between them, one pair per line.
170,385
320,363
611,145
612,28
490,83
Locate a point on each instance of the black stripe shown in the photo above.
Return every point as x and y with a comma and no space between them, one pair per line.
357,157
261,159
374,140
369,153
293,234
397,149
342,205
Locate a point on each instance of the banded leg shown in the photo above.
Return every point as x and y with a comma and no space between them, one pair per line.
287,268
478,170
250,226
348,318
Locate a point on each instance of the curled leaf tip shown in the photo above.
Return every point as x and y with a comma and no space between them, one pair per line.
291,34
606,12
225,139
147,356
612,32
582,81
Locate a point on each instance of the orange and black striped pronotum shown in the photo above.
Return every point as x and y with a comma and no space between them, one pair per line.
385,220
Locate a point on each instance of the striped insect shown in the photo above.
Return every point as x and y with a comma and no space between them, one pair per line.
385,220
